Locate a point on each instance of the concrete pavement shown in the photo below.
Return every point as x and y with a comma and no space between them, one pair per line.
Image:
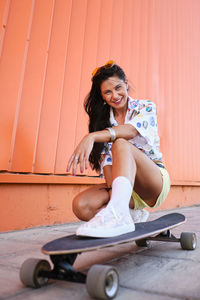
163,272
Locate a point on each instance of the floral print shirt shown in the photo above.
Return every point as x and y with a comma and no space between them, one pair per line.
142,115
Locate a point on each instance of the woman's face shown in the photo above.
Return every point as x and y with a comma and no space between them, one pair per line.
115,92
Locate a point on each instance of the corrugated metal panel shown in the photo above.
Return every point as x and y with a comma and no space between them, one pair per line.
48,50
32,98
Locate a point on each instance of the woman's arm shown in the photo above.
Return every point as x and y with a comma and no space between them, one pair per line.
82,152
126,131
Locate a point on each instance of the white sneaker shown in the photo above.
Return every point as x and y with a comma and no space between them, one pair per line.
107,223
139,215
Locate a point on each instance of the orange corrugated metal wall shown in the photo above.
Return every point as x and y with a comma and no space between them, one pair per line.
47,52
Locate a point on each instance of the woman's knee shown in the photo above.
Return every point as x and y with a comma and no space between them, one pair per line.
86,204
120,144
124,148
80,207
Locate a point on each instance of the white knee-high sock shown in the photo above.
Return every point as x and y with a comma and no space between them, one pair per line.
121,194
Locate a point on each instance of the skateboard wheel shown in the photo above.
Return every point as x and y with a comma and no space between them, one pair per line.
102,282
143,243
29,272
188,240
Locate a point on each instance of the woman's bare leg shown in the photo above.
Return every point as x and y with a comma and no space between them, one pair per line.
89,202
130,162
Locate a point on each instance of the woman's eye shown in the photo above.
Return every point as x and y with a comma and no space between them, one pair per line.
118,87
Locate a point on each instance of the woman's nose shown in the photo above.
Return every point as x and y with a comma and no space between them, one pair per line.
115,95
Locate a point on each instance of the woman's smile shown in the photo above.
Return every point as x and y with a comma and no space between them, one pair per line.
117,101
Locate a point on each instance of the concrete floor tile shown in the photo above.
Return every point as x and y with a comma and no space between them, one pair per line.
59,290
9,281
131,294
166,276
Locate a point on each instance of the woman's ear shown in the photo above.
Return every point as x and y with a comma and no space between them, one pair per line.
127,86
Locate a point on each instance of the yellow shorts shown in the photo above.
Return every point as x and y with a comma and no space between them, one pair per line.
139,203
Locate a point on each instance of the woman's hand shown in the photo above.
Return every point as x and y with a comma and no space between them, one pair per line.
81,154
83,150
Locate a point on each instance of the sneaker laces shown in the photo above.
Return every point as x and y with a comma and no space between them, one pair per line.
109,212
109,217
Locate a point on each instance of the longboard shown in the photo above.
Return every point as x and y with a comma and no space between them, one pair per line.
75,244
102,282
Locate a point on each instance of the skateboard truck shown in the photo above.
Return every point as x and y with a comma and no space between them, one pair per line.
63,269
187,240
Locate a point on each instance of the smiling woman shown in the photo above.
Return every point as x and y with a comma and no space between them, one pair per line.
123,144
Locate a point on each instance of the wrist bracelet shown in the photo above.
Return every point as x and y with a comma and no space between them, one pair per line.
112,134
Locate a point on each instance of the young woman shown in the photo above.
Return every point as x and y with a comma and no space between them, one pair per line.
123,145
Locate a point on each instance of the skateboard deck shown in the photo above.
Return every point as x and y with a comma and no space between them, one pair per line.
75,244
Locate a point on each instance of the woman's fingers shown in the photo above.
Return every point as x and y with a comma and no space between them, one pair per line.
75,163
87,161
70,163
84,162
81,155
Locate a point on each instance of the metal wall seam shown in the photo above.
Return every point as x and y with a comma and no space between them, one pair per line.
82,57
71,85
43,86
20,88
4,24
104,33
62,87
91,32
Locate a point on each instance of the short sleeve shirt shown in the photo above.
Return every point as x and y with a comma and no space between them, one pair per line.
142,115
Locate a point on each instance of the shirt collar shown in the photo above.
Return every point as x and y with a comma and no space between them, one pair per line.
128,113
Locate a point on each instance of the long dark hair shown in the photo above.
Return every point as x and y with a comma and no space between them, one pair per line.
98,110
